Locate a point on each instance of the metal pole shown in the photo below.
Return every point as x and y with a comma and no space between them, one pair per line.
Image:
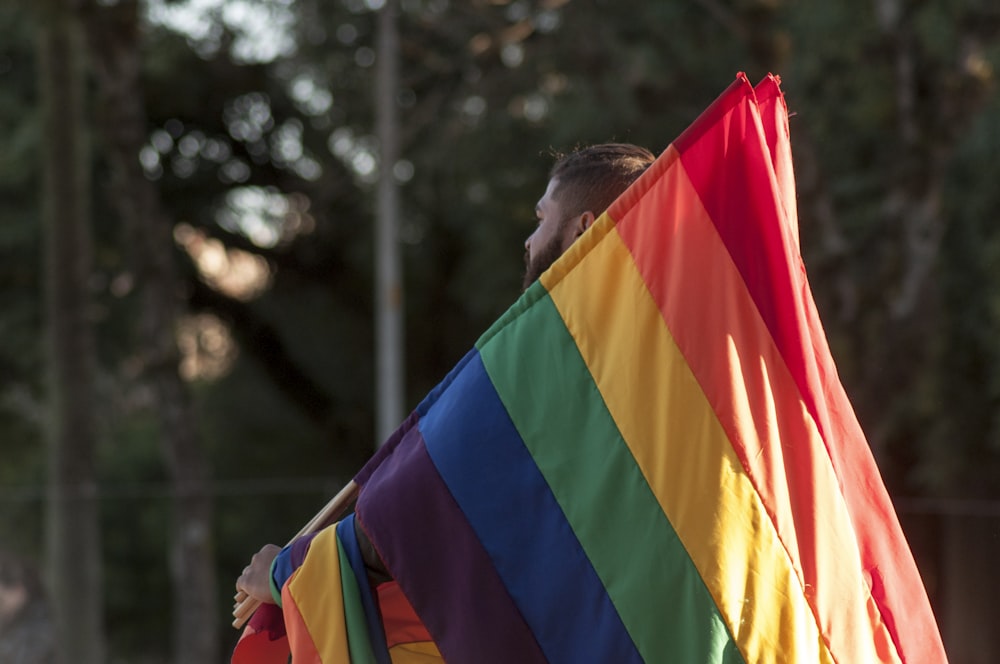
388,282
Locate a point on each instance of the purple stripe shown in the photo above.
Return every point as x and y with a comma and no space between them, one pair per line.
415,524
387,448
299,549
390,444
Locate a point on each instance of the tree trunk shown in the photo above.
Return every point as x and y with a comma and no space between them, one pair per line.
73,524
114,41
968,620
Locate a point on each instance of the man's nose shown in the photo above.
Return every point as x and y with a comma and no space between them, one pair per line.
527,243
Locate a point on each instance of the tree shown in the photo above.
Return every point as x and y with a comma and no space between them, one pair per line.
259,149
114,42
73,543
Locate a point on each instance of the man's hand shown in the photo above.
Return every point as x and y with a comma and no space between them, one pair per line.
255,580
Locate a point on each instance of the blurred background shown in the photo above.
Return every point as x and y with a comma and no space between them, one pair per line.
191,193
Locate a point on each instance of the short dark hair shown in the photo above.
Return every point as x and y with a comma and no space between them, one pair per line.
591,178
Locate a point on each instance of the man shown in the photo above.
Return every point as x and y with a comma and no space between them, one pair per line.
647,458
581,186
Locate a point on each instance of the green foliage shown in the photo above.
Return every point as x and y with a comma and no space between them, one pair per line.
966,426
22,470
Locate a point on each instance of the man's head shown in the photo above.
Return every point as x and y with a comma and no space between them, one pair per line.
581,186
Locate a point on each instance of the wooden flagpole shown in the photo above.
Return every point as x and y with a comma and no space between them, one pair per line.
246,605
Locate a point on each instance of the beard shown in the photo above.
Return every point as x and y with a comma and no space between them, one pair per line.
545,257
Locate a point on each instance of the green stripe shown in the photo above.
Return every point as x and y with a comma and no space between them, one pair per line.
275,590
551,396
534,293
358,639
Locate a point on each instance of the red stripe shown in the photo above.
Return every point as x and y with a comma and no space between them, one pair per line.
263,640
767,257
774,116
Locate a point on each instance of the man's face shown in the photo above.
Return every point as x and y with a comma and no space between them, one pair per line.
551,238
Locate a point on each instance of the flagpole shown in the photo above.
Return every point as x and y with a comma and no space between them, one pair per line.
246,605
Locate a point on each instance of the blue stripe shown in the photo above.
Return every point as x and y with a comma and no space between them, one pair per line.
486,466
349,540
441,566
389,446
424,406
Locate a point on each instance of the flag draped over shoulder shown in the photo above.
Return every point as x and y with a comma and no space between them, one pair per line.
331,615
650,456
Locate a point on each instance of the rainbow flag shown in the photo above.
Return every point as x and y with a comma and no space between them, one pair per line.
649,457
331,615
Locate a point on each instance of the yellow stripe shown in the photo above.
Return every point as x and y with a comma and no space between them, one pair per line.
318,596
422,652
703,490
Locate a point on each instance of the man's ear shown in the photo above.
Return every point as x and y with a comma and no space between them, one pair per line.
586,221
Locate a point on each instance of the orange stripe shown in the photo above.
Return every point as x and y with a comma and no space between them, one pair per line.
299,641
398,616
312,600
408,640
